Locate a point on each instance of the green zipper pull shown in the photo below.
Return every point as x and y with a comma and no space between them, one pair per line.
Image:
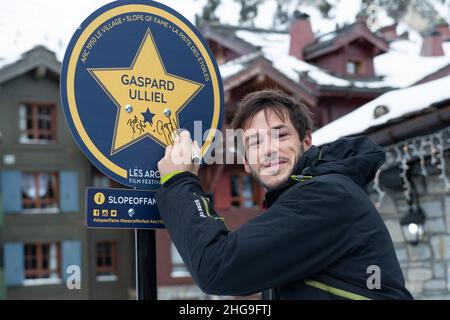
300,178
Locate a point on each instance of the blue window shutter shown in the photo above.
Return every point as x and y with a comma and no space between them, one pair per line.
71,255
11,193
69,191
1,225
14,263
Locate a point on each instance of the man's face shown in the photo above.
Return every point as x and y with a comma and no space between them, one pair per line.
272,147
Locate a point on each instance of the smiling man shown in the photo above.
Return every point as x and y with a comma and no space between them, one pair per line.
272,142
320,238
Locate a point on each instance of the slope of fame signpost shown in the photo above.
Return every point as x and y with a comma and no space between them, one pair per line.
134,72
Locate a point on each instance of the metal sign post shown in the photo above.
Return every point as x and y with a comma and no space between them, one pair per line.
134,72
145,252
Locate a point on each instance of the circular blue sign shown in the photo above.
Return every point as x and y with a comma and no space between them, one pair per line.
134,72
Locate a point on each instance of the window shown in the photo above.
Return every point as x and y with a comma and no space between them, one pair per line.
37,123
179,269
42,261
354,67
106,261
101,181
380,111
40,192
244,191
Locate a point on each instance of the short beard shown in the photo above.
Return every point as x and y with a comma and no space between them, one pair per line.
257,177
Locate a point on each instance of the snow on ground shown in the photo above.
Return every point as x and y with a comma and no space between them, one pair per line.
399,102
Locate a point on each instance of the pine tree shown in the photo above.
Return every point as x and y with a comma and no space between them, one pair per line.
249,10
208,14
397,9
281,16
325,8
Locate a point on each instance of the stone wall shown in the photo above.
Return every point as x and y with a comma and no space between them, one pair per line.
426,267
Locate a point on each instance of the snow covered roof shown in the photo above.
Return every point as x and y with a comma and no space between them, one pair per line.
275,47
403,66
233,67
333,41
393,68
399,103
37,57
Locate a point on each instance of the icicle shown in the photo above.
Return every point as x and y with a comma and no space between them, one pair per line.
398,151
378,189
423,169
433,145
404,166
433,151
442,164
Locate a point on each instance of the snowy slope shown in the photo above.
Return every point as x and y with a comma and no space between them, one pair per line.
25,24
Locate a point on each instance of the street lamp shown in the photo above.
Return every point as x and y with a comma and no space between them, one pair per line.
412,225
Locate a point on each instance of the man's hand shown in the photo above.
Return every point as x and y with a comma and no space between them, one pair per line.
178,157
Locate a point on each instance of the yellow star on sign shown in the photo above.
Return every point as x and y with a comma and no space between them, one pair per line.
148,98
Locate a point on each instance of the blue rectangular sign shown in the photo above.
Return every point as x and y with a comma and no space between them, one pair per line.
121,209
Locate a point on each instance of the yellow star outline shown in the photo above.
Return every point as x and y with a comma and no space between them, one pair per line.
145,87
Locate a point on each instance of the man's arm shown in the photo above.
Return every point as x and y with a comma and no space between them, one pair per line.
297,237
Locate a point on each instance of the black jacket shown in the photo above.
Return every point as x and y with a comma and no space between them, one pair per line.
317,240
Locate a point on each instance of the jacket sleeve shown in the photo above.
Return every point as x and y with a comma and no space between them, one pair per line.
295,238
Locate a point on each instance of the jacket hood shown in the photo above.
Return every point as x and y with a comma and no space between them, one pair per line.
356,157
